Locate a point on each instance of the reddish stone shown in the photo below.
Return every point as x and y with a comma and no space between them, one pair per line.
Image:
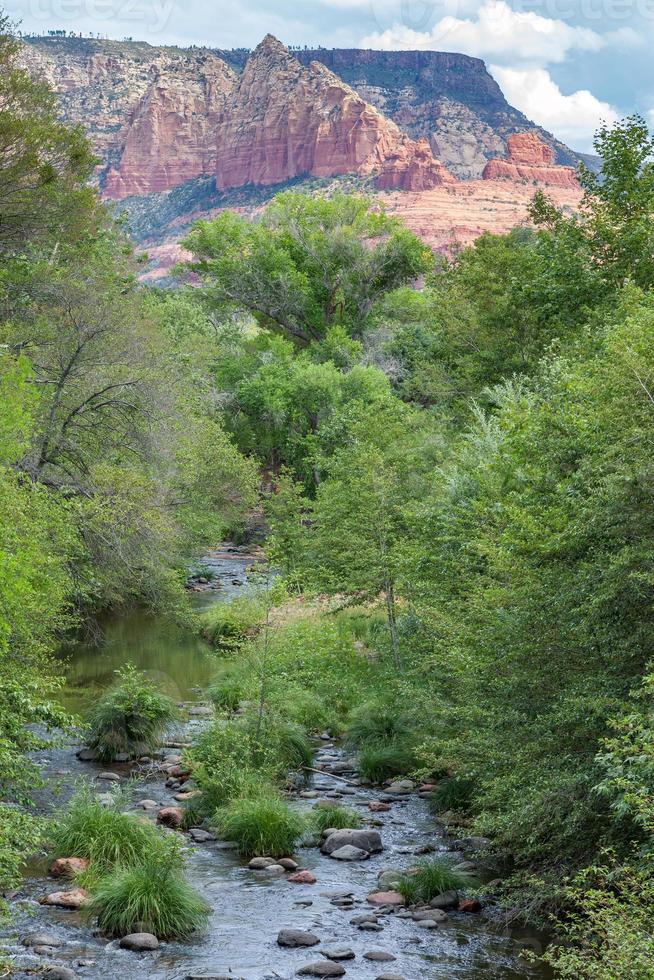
529,159
73,899
179,772
303,878
378,807
385,898
68,867
470,905
171,816
187,796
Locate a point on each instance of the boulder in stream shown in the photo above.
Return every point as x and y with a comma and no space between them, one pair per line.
349,853
139,942
171,816
73,899
68,867
386,898
323,968
365,840
296,938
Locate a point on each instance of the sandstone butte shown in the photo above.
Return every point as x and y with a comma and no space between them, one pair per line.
529,159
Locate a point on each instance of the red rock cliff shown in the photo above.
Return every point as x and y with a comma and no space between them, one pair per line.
531,160
284,120
170,136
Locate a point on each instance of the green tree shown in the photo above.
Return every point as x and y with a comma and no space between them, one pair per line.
308,264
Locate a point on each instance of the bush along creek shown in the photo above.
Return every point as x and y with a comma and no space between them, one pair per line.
275,824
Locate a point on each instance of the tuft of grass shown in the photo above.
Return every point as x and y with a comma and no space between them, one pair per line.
131,717
226,692
452,793
151,896
261,826
381,761
103,834
340,817
431,878
227,626
376,722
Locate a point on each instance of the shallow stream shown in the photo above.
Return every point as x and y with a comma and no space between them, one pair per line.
248,909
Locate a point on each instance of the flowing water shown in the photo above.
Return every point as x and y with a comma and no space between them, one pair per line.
248,910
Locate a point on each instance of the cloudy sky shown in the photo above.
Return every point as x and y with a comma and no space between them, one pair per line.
568,64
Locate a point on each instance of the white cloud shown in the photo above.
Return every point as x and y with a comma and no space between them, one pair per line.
573,118
498,32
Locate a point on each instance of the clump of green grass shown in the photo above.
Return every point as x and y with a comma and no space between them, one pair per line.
131,717
226,692
261,826
227,626
383,760
453,793
339,817
103,834
151,896
376,722
431,878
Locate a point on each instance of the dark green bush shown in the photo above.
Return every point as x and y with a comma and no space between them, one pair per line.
262,826
339,817
129,718
383,760
452,793
151,896
431,878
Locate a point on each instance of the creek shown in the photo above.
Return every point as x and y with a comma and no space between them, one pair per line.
249,909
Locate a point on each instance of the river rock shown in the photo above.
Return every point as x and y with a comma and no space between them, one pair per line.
42,939
401,788
470,905
379,956
390,976
259,863
294,938
446,900
58,972
338,953
87,755
288,864
108,777
201,836
303,878
171,816
68,868
385,898
73,899
365,840
272,871
147,804
377,806
200,711
388,878
360,920
323,968
428,924
430,915
371,927
349,853
139,942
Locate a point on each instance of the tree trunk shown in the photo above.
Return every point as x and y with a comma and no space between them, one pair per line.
392,624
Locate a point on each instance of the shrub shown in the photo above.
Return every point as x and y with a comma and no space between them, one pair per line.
263,826
381,761
227,626
226,692
431,878
103,834
150,896
376,722
339,817
453,793
130,718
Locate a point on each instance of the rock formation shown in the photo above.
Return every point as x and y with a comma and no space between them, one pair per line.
284,120
170,136
532,161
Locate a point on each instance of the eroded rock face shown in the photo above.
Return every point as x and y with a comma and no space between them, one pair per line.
529,159
170,135
285,121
